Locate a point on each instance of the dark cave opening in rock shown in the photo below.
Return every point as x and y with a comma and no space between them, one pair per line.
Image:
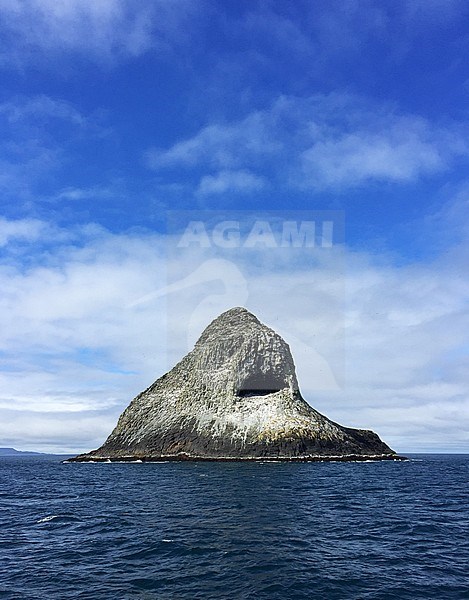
261,384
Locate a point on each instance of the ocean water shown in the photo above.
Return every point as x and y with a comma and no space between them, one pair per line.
386,530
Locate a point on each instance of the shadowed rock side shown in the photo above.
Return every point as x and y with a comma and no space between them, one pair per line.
234,396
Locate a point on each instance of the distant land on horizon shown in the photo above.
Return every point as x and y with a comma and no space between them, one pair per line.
14,452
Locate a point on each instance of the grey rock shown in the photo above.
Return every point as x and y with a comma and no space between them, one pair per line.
234,396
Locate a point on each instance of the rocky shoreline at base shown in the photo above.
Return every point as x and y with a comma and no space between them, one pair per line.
188,458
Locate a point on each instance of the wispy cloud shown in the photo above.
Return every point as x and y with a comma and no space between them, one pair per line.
338,29
336,39
106,31
34,111
221,145
321,142
39,133
227,181
78,194
110,31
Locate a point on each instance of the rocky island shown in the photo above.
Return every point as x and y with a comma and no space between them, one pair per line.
235,396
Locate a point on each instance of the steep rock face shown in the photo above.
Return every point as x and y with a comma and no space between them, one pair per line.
235,395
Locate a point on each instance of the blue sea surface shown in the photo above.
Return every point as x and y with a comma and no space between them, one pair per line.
189,531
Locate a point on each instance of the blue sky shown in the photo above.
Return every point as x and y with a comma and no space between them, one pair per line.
114,112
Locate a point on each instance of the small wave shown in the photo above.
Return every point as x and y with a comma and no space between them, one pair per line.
47,519
60,518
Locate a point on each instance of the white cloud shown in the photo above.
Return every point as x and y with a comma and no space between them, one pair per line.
220,145
321,142
226,181
401,152
77,345
105,31
76,194
25,230
55,432
108,31
70,345
40,108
